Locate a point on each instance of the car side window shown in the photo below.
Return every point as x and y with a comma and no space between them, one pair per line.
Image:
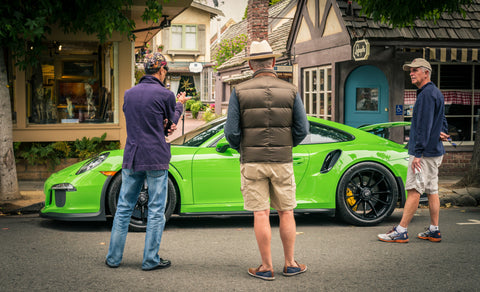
321,134
198,136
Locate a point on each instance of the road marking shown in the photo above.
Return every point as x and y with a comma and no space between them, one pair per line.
473,222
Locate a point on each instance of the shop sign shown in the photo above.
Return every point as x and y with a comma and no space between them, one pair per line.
283,68
195,67
361,50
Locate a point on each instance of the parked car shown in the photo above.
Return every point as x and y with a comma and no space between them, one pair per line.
354,174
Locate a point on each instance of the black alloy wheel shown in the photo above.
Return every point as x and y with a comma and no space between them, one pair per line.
367,194
138,221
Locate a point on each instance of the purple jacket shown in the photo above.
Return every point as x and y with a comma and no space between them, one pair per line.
146,105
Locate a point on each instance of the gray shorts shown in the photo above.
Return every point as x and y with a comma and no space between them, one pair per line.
429,172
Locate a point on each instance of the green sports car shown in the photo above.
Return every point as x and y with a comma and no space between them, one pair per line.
352,173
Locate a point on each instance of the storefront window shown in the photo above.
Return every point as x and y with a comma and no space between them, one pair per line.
317,92
460,85
72,84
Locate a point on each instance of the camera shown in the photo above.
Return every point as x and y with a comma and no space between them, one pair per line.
168,125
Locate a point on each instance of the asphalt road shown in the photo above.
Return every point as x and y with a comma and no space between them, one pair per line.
213,254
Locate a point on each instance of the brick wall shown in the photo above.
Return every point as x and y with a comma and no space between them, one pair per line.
455,163
26,171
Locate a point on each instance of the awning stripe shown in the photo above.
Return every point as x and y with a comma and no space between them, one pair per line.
463,55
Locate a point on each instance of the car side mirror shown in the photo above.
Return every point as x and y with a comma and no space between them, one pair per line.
222,147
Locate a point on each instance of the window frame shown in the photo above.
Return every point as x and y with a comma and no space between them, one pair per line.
410,96
315,94
183,37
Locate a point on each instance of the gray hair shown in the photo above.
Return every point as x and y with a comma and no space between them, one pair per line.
258,64
426,69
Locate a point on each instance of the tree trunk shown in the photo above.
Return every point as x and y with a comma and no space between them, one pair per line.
8,170
472,177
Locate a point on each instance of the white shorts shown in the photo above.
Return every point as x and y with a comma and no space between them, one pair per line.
429,172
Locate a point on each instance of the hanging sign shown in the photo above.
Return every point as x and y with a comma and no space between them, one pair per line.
195,67
361,50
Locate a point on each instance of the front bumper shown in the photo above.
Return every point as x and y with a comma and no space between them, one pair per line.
76,197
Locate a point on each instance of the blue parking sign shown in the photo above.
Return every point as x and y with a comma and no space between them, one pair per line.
399,109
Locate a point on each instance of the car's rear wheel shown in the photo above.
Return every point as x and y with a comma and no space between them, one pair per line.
367,194
138,222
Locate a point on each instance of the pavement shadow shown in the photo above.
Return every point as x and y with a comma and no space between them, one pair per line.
76,226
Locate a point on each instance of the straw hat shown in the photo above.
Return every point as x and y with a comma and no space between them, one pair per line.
261,50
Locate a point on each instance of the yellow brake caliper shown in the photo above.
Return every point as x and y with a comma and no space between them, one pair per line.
350,199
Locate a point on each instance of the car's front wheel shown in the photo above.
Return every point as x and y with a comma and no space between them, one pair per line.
138,221
367,194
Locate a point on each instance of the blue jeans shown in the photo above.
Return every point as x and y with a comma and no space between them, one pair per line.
132,182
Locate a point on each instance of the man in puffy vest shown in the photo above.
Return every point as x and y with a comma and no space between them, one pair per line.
266,118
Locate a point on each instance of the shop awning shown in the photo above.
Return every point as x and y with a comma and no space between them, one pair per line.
463,55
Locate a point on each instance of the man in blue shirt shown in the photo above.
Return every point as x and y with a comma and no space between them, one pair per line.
147,107
425,147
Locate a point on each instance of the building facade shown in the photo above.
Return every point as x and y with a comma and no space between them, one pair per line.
362,59
77,90
186,46
348,68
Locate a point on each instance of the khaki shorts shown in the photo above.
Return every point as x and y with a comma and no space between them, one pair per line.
264,181
430,167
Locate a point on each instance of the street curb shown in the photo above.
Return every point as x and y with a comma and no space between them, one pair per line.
467,197
10,209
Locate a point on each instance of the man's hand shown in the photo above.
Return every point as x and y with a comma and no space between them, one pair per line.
444,136
181,97
416,165
172,129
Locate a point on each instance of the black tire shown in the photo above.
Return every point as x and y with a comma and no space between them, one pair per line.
138,222
366,195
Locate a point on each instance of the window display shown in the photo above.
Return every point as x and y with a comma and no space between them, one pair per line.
460,86
71,86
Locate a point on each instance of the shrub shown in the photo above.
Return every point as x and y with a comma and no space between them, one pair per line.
229,48
51,153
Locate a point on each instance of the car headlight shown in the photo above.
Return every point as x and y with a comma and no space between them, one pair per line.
92,163
64,187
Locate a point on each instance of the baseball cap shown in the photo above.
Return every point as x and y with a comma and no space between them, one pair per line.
153,62
416,63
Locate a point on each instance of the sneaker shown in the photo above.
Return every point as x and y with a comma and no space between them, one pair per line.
434,236
292,271
394,236
264,275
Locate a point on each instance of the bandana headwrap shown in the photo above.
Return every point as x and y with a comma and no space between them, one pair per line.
153,62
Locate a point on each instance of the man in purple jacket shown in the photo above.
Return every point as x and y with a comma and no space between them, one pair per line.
147,107
425,148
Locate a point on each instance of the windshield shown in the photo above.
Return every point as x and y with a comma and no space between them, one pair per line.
201,134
